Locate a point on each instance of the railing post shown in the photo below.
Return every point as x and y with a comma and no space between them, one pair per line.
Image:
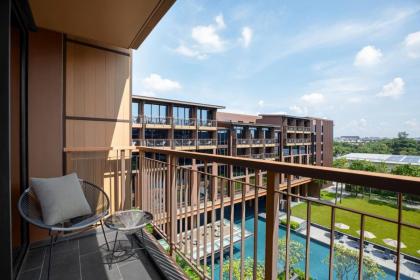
122,184
172,205
140,197
272,225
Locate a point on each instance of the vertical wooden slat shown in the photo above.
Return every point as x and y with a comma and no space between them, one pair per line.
400,202
308,239
361,246
181,197
232,219
185,210
244,190
205,217
272,225
288,213
331,257
191,215
257,179
198,177
222,228
122,186
213,216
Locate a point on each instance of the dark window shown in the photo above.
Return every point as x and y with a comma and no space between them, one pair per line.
222,137
204,135
183,134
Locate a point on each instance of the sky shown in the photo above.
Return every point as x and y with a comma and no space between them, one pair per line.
355,62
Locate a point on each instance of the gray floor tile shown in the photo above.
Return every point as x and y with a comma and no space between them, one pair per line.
136,269
93,268
30,274
34,259
64,266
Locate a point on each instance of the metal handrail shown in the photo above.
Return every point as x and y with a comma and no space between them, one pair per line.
157,120
207,123
184,142
184,122
207,142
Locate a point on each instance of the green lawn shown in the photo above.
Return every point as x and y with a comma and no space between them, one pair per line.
322,215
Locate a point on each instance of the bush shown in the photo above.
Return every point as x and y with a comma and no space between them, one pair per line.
293,225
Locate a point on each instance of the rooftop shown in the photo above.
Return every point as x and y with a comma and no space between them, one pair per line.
386,158
174,101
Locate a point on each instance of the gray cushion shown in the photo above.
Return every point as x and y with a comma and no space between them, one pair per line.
61,198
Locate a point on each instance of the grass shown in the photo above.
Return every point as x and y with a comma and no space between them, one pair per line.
322,215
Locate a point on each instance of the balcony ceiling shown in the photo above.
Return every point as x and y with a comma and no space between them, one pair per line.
122,24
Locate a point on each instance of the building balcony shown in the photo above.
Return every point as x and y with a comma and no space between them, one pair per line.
207,124
185,144
189,123
257,156
206,143
271,155
243,142
297,141
157,122
164,143
271,142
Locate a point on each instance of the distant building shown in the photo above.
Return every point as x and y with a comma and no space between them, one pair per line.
389,160
348,139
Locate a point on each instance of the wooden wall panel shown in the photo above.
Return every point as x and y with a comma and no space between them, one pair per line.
87,133
97,83
45,108
328,142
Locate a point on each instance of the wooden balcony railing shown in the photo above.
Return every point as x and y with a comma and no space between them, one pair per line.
207,123
185,142
207,142
184,202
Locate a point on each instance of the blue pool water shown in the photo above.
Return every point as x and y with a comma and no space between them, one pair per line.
318,251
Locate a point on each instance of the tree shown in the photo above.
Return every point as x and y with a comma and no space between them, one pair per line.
248,269
346,262
296,253
406,170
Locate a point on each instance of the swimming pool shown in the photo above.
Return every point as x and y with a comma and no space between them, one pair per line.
319,251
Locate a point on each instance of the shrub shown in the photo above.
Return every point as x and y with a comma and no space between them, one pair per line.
293,225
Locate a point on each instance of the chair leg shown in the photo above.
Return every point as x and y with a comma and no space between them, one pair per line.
113,249
50,256
103,232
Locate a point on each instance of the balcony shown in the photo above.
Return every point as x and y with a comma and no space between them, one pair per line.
185,144
164,143
257,142
271,156
290,129
297,141
257,156
243,142
157,122
271,142
198,237
189,123
206,143
207,124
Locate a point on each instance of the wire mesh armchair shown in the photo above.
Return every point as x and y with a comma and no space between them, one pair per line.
97,199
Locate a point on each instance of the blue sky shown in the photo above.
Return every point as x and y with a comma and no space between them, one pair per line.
356,62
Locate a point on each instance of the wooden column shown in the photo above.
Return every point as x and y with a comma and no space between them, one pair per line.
272,225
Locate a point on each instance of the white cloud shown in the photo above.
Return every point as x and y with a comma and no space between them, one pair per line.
299,110
156,83
412,44
246,36
393,89
206,40
220,21
261,103
148,93
313,98
186,51
368,56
